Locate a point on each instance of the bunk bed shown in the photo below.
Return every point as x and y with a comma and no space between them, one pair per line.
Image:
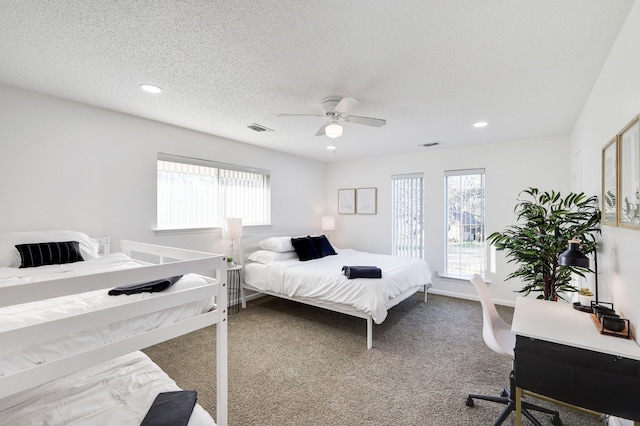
70,353
277,269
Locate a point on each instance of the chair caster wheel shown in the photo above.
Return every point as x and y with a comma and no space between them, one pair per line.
469,402
505,393
556,420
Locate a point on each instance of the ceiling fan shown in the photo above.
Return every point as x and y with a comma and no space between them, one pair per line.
336,108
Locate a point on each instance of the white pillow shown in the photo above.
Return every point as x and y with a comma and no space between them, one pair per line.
268,256
9,256
279,244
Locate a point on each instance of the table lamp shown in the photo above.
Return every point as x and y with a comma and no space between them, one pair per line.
232,230
328,223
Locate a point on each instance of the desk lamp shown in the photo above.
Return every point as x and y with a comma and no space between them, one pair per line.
574,257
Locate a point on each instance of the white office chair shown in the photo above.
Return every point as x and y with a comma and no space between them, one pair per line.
498,336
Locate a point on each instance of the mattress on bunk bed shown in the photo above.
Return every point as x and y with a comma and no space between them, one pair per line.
116,392
322,279
20,357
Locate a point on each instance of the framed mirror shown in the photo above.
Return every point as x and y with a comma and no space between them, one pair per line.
610,183
629,175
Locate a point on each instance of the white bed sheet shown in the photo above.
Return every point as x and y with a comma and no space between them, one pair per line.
116,392
323,279
20,356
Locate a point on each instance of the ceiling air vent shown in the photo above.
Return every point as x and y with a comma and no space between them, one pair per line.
259,128
427,145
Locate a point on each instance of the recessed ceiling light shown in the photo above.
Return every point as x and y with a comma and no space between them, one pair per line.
150,88
480,124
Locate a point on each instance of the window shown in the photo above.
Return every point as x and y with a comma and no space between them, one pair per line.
407,197
194,193
465,245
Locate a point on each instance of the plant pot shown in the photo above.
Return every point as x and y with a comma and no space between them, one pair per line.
585,300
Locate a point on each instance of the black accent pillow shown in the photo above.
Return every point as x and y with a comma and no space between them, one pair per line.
305,249
323,246
55,253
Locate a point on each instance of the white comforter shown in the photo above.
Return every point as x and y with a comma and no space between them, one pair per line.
19,357
117,392
323,279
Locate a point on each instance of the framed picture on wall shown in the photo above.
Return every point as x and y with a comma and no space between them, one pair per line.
366,200
610,183
346,201
629,175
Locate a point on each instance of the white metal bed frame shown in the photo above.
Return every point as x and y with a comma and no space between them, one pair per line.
336,307
170,262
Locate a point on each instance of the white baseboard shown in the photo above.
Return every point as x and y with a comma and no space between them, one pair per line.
469,297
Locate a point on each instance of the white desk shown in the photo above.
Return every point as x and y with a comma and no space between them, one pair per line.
559,323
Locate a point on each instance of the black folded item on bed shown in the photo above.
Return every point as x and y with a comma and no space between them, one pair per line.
149,287
362,272
171,409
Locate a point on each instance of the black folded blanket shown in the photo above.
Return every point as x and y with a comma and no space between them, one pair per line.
149,287
362,272
171,409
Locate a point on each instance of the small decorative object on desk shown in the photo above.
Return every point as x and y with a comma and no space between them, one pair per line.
608,322
585,296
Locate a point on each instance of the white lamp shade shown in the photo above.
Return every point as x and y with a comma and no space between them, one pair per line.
333,130
328,223
232,228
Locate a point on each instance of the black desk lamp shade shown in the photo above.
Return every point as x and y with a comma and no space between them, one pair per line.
574,257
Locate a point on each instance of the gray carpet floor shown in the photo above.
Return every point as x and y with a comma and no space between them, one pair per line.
292,364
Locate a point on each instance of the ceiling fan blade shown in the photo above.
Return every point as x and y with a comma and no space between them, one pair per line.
321,131
301,115
367,121
345,105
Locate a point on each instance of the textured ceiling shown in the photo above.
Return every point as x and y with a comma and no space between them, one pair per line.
431,68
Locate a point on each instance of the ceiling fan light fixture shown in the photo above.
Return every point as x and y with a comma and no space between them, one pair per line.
333,129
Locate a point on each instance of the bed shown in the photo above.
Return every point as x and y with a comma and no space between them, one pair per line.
278,269
70,353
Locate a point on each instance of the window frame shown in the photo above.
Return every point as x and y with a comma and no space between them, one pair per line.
220,198
394,217
460,273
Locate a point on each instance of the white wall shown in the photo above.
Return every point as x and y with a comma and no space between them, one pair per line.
510,168
614,101
65,165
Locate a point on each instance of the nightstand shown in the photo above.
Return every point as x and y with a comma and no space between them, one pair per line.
234,280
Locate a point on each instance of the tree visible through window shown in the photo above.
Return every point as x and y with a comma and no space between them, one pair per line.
408,215
465,239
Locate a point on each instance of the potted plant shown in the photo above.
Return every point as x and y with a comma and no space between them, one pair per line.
547,221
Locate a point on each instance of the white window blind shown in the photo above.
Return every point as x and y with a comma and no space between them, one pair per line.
465,238
196,193
408,215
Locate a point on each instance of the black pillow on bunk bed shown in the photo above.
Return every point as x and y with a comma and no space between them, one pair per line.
54,253
323,246
305,249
